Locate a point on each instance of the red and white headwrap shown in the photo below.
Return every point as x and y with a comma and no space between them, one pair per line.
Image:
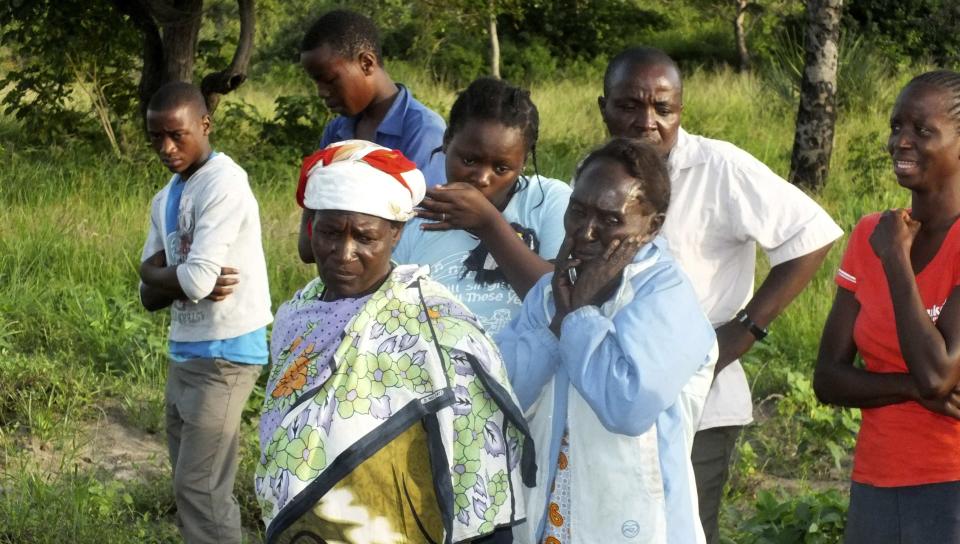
360,176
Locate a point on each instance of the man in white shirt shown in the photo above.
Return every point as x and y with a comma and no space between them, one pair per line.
724,202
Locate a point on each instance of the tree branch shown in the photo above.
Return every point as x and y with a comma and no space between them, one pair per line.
216,84
151,74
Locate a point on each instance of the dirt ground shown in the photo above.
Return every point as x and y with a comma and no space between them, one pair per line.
108,445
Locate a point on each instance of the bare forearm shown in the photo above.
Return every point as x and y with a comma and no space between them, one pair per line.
163,278
923,346
521,266
853,387
154,298
784,282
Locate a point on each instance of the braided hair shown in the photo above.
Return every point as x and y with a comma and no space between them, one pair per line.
346,32
642,163
489,99
946,80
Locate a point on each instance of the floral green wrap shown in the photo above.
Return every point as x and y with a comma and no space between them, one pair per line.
412,354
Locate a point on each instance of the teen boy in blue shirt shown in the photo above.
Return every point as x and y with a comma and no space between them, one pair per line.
341,54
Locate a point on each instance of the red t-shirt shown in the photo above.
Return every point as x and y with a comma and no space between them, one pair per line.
899,444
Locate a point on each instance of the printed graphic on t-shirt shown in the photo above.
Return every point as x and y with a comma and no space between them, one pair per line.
180,239
934,311
179,242
450,269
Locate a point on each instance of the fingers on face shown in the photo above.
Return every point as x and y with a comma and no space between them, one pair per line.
621,250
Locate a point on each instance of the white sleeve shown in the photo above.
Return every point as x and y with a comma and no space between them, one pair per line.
785,221
219,220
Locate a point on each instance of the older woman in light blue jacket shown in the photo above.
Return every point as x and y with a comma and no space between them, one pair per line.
611,358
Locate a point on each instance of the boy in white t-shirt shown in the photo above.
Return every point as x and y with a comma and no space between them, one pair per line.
204,225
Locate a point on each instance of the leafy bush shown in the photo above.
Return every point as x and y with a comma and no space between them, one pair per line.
811,518
57,46
911,30
296,125
801,437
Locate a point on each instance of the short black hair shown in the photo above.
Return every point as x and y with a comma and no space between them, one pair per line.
638,55
347,32
946,80
175,94
642,162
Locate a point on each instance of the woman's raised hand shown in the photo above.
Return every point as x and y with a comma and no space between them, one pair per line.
596,275
456,206
594,278
894,234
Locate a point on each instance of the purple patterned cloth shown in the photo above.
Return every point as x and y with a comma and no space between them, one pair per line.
318,325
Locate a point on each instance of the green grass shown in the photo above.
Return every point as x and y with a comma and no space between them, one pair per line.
74,340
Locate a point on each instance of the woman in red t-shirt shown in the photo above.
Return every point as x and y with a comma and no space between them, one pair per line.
898,306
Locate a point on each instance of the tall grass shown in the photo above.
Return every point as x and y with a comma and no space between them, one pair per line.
72,334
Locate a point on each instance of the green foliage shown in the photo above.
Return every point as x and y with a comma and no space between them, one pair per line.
81,508
909,30
581,29
810,518
825,432
57,46
294,129
862,74
798,436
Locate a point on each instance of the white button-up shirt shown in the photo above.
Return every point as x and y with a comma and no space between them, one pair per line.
723,202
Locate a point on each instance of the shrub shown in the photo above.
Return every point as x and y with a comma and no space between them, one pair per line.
810,518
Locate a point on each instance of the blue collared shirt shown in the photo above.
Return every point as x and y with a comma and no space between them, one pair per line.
629,367
414,129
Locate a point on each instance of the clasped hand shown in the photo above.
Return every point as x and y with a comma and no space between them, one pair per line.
894,234
222,288
595,279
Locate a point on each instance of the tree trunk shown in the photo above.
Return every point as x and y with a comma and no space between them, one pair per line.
220,83
179,22
494,41
151,72
741,35
813,140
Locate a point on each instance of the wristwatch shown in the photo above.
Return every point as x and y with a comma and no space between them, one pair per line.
744,319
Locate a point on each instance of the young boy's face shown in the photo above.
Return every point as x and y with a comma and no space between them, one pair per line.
180,136
342,82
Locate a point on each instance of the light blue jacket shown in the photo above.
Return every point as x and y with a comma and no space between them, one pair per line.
639,367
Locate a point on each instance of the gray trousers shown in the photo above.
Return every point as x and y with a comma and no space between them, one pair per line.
916,514
204,402
712,450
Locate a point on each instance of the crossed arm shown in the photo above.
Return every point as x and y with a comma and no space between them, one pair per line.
931,350
160,286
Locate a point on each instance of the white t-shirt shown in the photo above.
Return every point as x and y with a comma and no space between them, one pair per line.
723,202
495,304
218,225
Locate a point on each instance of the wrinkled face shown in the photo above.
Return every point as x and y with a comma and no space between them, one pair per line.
923,142
644,102
180,136
352,251
342,82
607,204
488,155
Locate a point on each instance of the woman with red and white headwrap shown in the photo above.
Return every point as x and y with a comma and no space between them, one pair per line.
388,415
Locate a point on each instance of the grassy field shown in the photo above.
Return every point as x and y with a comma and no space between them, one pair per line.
82,365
